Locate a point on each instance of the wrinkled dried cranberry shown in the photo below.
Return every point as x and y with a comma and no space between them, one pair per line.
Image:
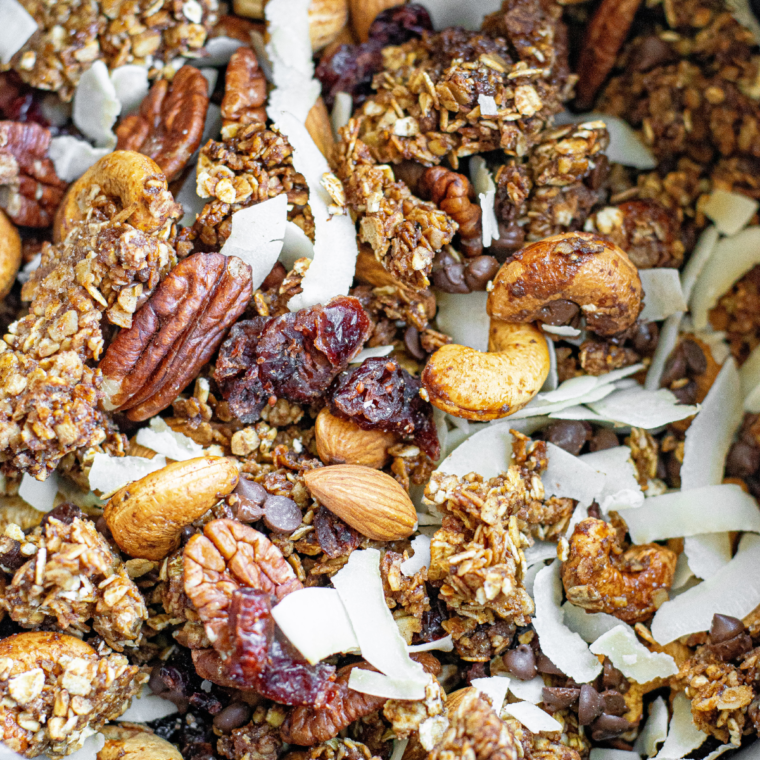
19,102
432,619
294,356
252,630
381,395
65,513
395,26
177,681
335,538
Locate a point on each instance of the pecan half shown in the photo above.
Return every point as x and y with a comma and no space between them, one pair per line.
30,190
169,125
175,333
245,89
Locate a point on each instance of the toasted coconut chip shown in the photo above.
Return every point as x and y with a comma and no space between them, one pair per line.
257,235
563,647
539,552
163,440
621,488
663,295
463,316
707,553
701,254
749,374
689,513
631,657
370,682
468,14
485,187
17,27
109,474
72,157
211,76
731,212
96,106
187,197
488,453
641,408
530,691
445,644
421,558
734,590
732,258
655,729
683,735
494,687
148,706
666,343
487,105
533,717
605,753
131,85
342,110
39,494
316,623
371,353
589,625
569,476
360,587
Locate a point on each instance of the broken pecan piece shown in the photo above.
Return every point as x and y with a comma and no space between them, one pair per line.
245,89
169,125
175,333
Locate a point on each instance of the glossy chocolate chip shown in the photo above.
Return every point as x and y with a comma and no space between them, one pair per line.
607,727
520,662
479,271
275,277
696,361
687,393
652,52
281,514
558,697
733,648
11,557
102,527
558,312
614,703
412,342
65,513
545,665
155,682
675,368
743,459
603,439
724,627
252,496
590,705
612,678
233,716
569,435
511,237
645,338
450,279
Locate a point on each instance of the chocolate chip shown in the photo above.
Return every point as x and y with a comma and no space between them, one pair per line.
652,52
687,393
614,703
412,342
695,357
599,173
675,368
450,279
607,727
603,439
511,237
252,496
65,513
233,716
743,460
569,435
281,514
724,627
612,678
558,698
545,665
479,270
409,172
733,648
645,338
590,705
520,662
558,312
11,557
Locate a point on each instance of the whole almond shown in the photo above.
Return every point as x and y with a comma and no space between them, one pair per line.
370,501
320,128
326,20
343,442
363,13
146,517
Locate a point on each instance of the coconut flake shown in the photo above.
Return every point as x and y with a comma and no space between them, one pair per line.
539,552
599,392
463,316
488,453
689,513
371,353
469,15
31,266
494,687
533,717
379,685
39,494
631,657
343,106
683,735
731,212
734,590
589,625
487,105
360,587
568,476
421,558
490,225
750,381
707,553
621,488
72,157
642,408
257,236
563,647
187,197
552,379
530,691
605,753
147,707
663,294
562,330
655,730
296,245
17,27
399,748
701,254
163,440
90,749
316,623
445,644
96,106
109,474
131,85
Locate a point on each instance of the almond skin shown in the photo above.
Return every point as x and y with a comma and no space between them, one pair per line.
343,442
146,517
363,13
370,501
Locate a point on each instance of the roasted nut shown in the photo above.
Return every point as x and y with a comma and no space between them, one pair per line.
249,8
134,180
576,266
169,125
27,649
30,190
138,745
10,254
146,517
245,89
600,577
342,442
368,500
326,20
489,385
175,333
320,128
363,13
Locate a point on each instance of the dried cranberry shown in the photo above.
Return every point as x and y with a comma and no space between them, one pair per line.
335,538
350,68
65,513
381,395
395,26
294,356
177,681
251,629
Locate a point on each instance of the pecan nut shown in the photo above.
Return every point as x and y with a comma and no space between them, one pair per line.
245,89
169,125
175,333
30,190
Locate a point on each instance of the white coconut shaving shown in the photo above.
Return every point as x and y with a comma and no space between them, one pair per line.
703,250
96,106
749,375
487,105
360,587
463,316
732,258
642,408
218,50
707,553
683,736
421,558
537,407
379,685
710,509
445,644
399,748
187,197
72,157
371,353
147,706
315,622
332,269
631,657
211,76
743,13
530,691
469,15
343,107
160,438
494,687
109,474
257,236
296,245
568,476
731,212
31,266
552,379
588,625
563,647
734,590
562,330
485,187
91,747
666,343
621,487
131,85
655,730
605,753
488,453
17,27
539,552
663,294
39,494
533,717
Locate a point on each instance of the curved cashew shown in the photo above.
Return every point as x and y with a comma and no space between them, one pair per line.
136,744
136,181
487,386
576,266
10,254
29,649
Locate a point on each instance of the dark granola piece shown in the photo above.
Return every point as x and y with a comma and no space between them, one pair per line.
738,313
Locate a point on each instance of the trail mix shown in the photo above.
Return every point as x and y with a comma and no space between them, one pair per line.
380,381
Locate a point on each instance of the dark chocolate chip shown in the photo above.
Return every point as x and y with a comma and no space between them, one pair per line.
569,435
733,648
652,52
614,703
743,459
520,662
590,705
675,368
65,513
252,496
603,439
607,727
412,343
275,277
645,338
599,173
281,514
479,270
233,716
612,678
155,682
558,312
450,279
545,665
686,394
724,627
11,557
696,361
558,698
102,527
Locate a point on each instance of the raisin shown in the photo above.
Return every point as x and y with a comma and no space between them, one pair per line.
380,395
293,356
395,26
177,681
335,538
65,513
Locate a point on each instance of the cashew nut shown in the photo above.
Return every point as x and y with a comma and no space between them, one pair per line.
29,649
10,254
576,266
128,743
487,386
136,181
